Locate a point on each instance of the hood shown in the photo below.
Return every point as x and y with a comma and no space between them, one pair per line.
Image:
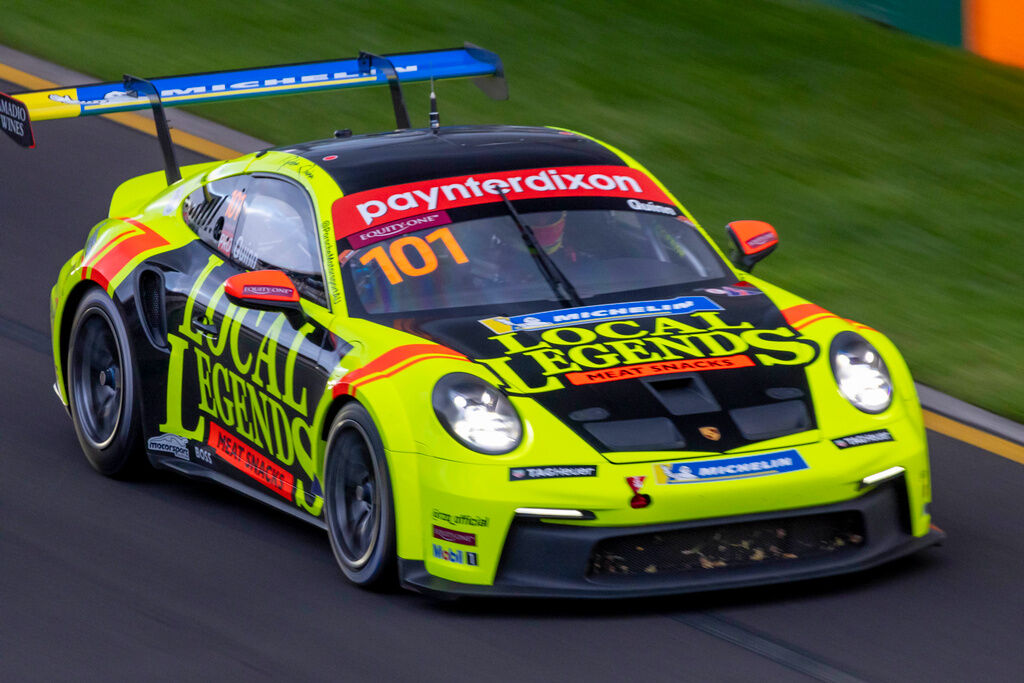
712,370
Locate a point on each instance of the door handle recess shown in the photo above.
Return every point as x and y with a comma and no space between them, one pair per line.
210,331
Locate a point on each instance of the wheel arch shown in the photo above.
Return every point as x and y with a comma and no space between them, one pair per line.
67,320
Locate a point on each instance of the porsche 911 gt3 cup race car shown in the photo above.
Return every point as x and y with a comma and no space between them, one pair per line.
490,360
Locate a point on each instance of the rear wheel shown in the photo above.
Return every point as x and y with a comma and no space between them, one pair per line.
102,392
359,508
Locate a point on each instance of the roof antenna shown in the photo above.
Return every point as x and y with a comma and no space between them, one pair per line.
435,118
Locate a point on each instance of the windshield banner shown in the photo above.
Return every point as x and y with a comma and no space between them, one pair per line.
362,211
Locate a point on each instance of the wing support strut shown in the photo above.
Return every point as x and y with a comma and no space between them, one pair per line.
369,61
163,131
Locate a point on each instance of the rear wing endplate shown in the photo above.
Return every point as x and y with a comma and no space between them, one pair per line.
469,61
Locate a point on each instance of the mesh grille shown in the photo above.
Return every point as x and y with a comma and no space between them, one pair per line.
151,295
728,546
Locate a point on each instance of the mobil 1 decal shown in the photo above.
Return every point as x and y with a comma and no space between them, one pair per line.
246,384
604,344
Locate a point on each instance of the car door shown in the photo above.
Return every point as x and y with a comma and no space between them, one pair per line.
252,378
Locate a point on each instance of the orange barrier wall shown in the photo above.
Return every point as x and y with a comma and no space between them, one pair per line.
995,29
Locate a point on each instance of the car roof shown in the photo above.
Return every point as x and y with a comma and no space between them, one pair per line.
365,162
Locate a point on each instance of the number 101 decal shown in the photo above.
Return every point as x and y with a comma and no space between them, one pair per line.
395,261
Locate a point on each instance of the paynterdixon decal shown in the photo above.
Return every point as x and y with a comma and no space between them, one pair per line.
628,349
719,469
387,205
247,393
617,311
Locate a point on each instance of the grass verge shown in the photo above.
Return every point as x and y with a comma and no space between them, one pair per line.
892,167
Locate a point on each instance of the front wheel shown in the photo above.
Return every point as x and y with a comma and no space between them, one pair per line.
359,508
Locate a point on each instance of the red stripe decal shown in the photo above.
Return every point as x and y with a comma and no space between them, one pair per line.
806,314
105,266
392,362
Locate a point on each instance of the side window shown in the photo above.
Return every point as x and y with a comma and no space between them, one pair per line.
213,211
277,230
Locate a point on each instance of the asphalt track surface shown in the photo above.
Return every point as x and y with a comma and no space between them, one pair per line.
169,579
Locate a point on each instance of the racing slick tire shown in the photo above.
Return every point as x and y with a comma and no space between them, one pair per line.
358,507
102,388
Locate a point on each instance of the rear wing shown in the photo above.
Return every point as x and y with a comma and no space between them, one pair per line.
469,61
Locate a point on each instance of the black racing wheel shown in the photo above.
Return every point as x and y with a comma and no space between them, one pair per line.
358,507
102,390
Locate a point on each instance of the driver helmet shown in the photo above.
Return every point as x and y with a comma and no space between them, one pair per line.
548,227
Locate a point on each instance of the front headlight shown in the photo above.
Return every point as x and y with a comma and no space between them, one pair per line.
477,414
860,373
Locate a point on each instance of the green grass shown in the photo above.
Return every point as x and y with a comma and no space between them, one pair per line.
893,167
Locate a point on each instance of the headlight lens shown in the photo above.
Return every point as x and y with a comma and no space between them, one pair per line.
477,414
860,373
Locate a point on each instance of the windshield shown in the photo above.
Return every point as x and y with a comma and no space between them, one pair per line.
485,260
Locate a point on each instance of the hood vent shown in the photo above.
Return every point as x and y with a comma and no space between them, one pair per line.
684,395
646,434
758,423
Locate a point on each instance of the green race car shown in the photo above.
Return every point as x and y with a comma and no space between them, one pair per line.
489,360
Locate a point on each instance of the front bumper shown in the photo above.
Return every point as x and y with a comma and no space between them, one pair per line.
545,559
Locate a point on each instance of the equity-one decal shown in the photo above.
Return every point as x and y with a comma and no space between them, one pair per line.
627,349
371,208
245,393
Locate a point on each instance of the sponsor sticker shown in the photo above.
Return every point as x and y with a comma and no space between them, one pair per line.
455,556
463,520
387,205
660,368
383,232
453,536
652,207
267,290
733,290
203,454
761,240
553,472
639,500
172,444
617,311
14,120
240,456
863,439
719,469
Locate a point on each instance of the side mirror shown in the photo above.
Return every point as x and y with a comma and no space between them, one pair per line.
267,290
753,239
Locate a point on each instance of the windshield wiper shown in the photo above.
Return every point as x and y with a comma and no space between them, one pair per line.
560,284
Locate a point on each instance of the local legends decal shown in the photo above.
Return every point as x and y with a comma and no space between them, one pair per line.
863,439
694,471
389,206
244,396
617,311
551,358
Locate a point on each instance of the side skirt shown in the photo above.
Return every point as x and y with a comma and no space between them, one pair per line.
194,471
